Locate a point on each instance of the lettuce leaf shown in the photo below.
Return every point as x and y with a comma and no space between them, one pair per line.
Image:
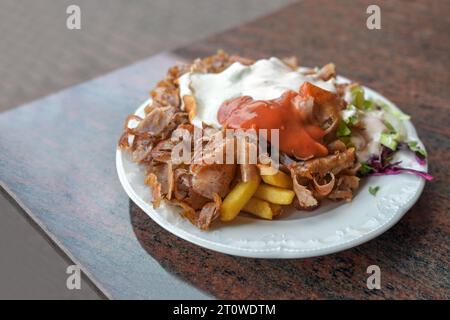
343,130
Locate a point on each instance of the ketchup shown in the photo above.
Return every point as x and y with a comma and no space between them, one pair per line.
298,136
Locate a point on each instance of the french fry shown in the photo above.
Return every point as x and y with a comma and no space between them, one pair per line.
266,169
280,179
274,194
237,198
259,208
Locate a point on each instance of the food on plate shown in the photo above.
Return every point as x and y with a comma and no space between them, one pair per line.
262,209
274,194
279,179
237,198
314,136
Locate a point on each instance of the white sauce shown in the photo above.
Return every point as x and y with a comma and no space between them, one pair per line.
346,114
264,80
373,128
268,79
374,125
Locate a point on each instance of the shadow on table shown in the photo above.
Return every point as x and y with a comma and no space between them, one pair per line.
340,275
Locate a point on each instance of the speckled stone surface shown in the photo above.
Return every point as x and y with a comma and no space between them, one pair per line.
64,176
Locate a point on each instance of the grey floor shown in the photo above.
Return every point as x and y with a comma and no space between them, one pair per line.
39,55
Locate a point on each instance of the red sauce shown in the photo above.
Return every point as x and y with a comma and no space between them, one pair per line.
298,136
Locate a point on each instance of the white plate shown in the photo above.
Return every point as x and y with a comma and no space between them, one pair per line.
298,234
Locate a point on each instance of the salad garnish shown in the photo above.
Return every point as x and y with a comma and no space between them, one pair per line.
391,138
373,190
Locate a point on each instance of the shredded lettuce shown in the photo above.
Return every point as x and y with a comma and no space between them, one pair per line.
357,94
390,140
350,115
369,104
359,100
389,126
414,147
343,130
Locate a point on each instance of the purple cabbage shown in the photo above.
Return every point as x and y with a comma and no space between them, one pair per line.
397,170
379,165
